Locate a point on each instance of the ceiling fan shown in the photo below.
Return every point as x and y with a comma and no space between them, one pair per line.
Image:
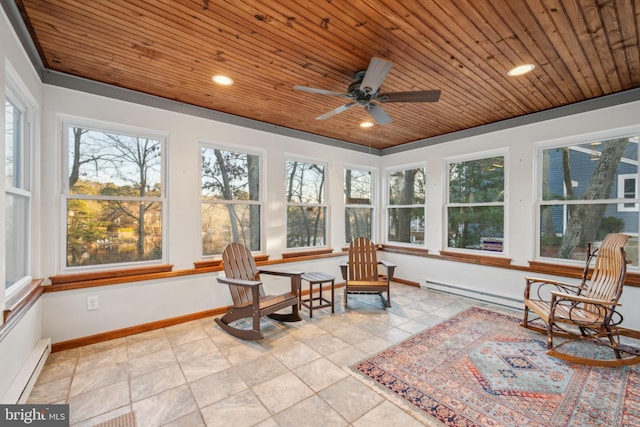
366,89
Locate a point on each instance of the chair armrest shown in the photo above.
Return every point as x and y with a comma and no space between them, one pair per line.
343,269
238,282
576,298
390,269
296,278
280,272
531,280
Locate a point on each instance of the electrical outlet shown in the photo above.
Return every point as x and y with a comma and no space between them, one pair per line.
92,303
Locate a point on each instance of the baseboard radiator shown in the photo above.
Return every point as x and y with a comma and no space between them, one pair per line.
474,293
28,375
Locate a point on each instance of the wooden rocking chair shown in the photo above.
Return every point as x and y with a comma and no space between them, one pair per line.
587,311
360,272
247,292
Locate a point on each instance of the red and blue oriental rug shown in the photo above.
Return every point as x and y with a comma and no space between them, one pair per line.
480,368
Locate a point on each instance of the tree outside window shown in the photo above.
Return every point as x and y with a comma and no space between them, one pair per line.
114,198
306,208
475,207
581,192
358,199
230,199
405,222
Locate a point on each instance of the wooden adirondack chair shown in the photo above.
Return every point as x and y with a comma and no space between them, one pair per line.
586,311
247,292
360,272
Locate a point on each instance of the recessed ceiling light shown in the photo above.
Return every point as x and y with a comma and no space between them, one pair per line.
222,80
366,124
521,69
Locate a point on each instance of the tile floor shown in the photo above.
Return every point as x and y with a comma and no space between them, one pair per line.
195,374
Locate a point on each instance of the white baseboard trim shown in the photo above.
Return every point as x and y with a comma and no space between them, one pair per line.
475,294
25,380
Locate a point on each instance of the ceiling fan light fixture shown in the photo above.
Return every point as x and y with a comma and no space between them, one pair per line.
521,69
222,80
366,124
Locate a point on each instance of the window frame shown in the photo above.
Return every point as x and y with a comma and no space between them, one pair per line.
622,178
68,122
17,95
388,205
261,192
324,205
502,152
374,198
538,153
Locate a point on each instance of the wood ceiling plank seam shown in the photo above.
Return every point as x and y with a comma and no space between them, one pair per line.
566,60
484,101
629,23
575,54
578,27
539,51
385,107
494,27
301,47
467,65
613,38
595,16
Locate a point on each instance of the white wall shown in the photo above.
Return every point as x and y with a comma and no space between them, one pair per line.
20,341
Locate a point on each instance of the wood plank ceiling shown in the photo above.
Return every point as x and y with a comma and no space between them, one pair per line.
582,49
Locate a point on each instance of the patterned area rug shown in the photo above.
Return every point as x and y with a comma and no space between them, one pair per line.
479,368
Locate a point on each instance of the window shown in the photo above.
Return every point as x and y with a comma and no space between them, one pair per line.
627,189
230,199
114,197
475,204
585,191
17,196
405,220
306,208
358,199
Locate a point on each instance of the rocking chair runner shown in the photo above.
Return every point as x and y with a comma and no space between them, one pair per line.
586,311
360,272
247,292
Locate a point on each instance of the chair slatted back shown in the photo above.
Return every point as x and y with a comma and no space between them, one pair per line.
610,270
363,261
239,264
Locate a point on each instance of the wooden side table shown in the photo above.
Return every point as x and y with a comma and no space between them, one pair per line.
318,279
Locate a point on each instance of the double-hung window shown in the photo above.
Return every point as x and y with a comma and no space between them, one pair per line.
406,206
230,199
476,204
358,199
587,190
17,195
306,204
114,197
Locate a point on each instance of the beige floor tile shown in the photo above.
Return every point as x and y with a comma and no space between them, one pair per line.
314,411
196,349
95,402
259,370
320,373
51,392
100,377
296,355
151,362
351,398
154,382
165,407
241,409
204,366
282,392
216,387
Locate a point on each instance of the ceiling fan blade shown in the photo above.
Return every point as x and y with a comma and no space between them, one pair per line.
320,91
417,96
338,110
378,114
375,75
